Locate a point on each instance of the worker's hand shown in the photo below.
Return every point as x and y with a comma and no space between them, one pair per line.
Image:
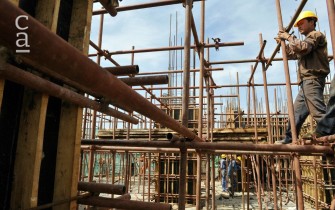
283,35
278,40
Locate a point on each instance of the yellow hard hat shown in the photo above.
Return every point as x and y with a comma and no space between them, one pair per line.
239,158
303,15
223,156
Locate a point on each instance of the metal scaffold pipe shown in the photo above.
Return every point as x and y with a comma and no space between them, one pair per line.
141,6
108,5
222,44
296,164
69,62
123,70
228,146
121,149
101,188
146,80
178,71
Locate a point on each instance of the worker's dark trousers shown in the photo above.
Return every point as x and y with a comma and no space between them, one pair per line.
309,100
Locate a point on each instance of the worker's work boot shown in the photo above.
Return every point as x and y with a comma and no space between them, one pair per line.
284,141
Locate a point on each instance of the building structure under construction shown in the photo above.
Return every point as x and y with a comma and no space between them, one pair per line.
83,126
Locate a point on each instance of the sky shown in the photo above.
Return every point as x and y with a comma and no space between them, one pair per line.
231,21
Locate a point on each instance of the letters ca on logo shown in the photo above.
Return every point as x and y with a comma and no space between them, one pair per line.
22,44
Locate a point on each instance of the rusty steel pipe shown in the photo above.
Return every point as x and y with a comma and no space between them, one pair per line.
201,96
172,138
124,197
222,44
109,7
301,149
221,86
101,188
146,80
123,204
32,81
141,6
185,100
123,70
179,71
194,31
296,165
260,55
71,63
120,149
266,92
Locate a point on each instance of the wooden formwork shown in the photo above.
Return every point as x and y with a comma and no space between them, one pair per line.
46,151
317,175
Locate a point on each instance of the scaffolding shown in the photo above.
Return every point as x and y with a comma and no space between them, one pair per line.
163,141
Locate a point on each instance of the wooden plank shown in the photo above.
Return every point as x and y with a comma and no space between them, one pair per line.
68,152
80,28
16,2
29,151
31,131
47,13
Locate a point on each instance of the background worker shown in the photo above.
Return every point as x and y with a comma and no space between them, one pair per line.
223,167
312,56
233,167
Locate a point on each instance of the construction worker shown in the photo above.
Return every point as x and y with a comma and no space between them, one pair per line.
312,56
223,167
233,167
238,160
